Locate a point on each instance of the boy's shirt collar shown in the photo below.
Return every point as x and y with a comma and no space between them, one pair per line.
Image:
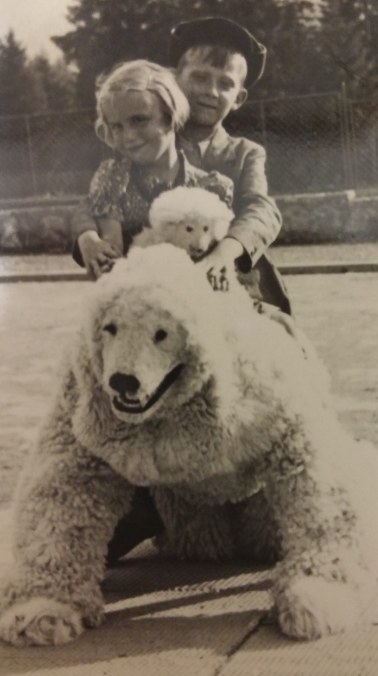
203,146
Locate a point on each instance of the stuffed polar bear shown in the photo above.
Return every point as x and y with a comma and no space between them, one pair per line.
193,219
213,407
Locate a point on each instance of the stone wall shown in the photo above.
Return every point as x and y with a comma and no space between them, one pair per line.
44,225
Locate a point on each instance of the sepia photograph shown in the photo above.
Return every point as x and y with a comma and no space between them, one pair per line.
189,351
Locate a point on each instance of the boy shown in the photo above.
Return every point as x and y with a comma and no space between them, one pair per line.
215,60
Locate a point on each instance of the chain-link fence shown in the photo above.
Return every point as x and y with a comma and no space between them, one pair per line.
314,143
48,154
304,140
363,123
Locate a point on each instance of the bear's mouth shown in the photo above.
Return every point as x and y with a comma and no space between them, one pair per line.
127,405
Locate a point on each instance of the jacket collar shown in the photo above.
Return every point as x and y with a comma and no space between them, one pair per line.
188,174
219,145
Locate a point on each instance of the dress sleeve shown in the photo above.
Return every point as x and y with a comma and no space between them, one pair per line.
107,187
103,200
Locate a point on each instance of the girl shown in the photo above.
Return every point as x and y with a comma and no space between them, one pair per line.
140,108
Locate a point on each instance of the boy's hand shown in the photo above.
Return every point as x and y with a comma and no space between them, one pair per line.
220,263
98,256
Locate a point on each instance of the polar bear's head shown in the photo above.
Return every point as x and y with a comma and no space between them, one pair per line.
151,341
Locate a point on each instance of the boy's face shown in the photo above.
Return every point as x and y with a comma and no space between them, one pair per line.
212,91
138,128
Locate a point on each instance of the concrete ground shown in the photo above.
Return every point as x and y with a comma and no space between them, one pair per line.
166,617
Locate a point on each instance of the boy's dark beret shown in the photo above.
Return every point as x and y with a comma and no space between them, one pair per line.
219,31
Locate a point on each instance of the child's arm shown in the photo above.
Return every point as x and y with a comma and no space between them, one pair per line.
111,231
257,220
82,221
96,225
220,263
96,255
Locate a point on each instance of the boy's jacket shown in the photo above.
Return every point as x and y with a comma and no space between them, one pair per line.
258,220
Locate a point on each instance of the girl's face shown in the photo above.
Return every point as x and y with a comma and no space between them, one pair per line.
138,127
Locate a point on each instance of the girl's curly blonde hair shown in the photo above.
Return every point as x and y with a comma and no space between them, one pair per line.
140,75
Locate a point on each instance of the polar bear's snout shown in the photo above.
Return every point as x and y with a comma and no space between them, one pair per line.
124,383
131,397
127,392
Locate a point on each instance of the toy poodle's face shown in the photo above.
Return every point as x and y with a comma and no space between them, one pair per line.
148,362
194,235
191,218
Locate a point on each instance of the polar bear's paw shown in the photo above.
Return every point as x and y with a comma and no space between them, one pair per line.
310,608
40,621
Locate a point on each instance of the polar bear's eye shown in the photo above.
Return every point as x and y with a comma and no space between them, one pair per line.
110,328
206,228
189,228
160,335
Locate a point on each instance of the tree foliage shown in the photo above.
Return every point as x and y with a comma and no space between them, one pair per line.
348,40
17,93
107,31
32,86
313,46
54,84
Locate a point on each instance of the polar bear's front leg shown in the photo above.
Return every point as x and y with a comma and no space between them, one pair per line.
40,621
310,607
65,517
322,585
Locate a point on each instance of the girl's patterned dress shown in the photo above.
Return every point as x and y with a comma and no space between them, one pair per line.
125,193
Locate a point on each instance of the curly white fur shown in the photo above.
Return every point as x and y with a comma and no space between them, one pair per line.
214,408
193,219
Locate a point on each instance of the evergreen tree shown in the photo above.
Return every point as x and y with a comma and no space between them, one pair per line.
295,64
17,93
107,31
347,39
54,84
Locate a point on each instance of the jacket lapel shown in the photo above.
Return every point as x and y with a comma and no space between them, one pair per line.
220,149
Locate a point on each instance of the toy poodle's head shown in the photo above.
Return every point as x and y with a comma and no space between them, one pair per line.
193,219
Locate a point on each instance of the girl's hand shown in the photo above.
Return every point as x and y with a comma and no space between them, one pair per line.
220,263
98,256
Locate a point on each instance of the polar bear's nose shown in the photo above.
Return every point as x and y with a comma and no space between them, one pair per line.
124,382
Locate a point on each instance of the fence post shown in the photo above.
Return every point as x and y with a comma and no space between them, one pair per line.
30,155
263,124
346,139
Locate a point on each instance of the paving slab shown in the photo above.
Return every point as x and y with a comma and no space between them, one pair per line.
168,617
268,654
162,617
